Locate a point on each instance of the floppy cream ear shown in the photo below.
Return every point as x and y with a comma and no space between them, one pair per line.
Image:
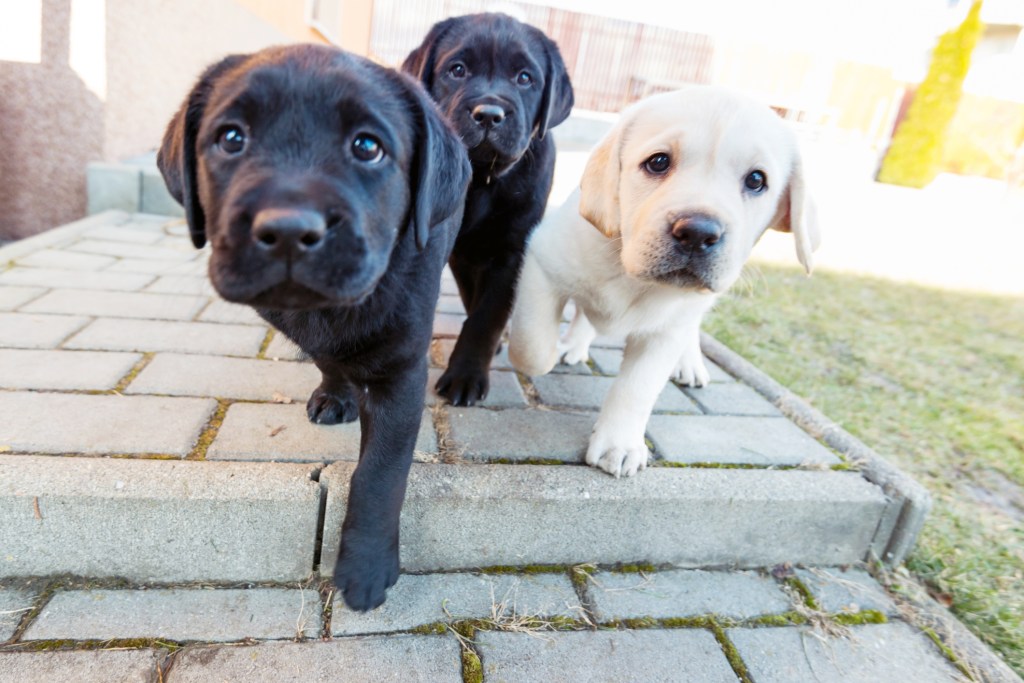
599,187
800,216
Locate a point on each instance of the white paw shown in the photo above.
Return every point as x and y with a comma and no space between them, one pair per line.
617,456
572,351
691,371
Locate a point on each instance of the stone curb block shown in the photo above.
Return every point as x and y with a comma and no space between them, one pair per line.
463,516
909,501
157,520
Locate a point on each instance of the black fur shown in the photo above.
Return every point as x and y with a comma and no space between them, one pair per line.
360,300
513,164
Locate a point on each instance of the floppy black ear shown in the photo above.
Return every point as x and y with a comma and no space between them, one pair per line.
556,102
420,62
440,169
177,156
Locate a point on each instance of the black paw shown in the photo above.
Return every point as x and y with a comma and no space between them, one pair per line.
327,408
463,387
364,573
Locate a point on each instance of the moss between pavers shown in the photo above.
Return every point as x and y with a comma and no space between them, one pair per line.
527,461
133,373
472,668
732,655
801,589
265,344
947,652
526,569
209,432
111,644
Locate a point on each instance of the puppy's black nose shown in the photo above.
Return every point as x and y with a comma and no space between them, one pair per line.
697,233
288,232
488,115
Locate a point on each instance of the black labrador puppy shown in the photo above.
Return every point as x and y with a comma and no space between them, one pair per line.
331,191
502,85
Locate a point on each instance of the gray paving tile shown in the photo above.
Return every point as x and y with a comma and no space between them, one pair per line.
883,652
136,251
257,431
176,374
731,399
645,656
65,260
118,304
182,284
82,666
73,423
520,434
380,659
417,600
11,297
125,334
180,614
28,331
685,593
220,311
737,440
85,370
852,590
14,604
448,325
161,267
282,348
75,279
609,362
132,233
158,520
589,393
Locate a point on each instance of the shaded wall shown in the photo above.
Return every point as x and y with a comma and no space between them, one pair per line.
52,123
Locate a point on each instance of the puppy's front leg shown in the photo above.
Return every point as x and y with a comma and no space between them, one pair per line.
389,415
533,340
617,445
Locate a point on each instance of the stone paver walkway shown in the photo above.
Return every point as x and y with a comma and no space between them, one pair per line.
168,511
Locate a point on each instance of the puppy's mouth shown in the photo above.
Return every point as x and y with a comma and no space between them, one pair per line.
684,278
294,296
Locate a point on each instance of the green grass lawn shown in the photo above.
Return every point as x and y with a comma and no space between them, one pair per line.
933,381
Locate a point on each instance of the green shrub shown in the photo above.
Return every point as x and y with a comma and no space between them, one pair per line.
915,153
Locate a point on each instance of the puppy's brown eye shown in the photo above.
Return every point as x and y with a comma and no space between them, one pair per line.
367,148
524,78
457,70
231,140
756,182
658,163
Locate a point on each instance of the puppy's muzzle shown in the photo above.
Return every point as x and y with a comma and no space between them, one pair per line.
288,234
696,234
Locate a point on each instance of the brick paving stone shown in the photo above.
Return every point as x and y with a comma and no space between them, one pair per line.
162,267
589,393
520,434
646,656
177,374
137,251
852,590
443,346
417,600
609,362
125,334
379,659
65,260
220,311
282,348
246,435
11,297
27,331
135,233
883,652
448,325
74,423
504,390
14,604
731,399
83,370
181,614
118,304
82,666
75,279
450,304
735,440
182,284
157,520
685,593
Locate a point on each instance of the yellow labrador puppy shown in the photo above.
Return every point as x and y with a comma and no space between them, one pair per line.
671,202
